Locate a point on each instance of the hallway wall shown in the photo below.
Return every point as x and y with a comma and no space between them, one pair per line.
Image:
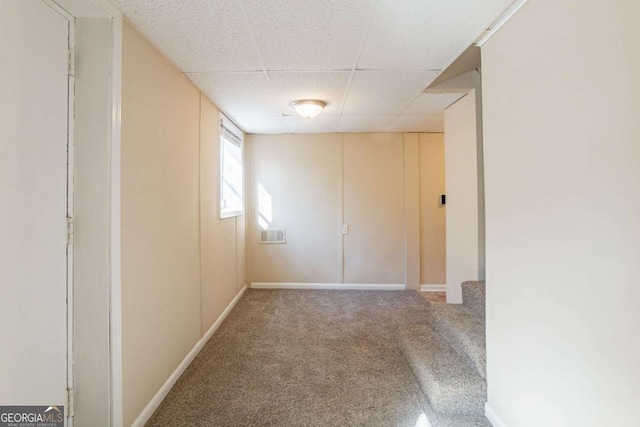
178,259
562,167
461,176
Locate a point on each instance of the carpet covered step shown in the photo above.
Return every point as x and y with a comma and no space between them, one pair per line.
473,296
445,420
464,331
451,386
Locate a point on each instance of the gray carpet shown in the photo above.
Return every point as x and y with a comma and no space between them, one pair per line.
455,391
474,296
303,358
451,385
464,331
448,357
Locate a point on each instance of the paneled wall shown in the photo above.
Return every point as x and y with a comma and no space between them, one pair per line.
373,203
311,185
221,241
296,184
179,261
160,221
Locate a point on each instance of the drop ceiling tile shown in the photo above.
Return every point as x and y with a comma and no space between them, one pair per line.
384,92
409,123
197,35
432,103
326,86
309,35
260,124
237,94
321,124
357,124
418,34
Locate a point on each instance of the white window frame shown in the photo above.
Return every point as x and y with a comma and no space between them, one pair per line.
230,134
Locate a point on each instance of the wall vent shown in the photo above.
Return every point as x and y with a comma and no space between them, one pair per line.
273,236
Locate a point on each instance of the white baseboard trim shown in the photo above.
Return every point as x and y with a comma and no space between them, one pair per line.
433,288
493,418
343,286
148,411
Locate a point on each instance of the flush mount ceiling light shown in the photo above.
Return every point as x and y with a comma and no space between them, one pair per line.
308,108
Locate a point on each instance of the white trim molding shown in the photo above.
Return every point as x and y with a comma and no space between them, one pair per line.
433,288
115,228
148,411
342,286
498,23
88,9
493,418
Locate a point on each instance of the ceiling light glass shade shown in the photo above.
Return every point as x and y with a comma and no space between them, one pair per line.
308,108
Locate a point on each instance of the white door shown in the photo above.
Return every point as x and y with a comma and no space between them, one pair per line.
34,41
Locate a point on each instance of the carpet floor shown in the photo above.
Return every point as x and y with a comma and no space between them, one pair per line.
303,358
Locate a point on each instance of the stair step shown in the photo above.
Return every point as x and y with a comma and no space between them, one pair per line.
464,331
473,296
445,420
439,420
450,385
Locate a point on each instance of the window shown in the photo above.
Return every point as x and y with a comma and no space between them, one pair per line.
231,169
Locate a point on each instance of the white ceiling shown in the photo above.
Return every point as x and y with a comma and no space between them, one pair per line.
369,60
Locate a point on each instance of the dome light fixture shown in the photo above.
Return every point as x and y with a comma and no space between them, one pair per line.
308,108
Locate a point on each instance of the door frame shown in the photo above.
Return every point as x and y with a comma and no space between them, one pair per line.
111,330
69,205
69,213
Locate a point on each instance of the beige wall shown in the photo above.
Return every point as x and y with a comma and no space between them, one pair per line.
562,168
461,175
432,213
301,175
222,241
317,183
373,208
412,210
178,260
